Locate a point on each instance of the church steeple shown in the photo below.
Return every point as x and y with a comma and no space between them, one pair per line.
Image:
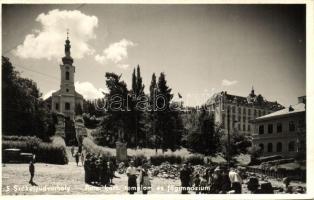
67,59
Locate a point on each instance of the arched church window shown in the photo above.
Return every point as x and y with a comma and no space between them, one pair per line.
67,75
67,106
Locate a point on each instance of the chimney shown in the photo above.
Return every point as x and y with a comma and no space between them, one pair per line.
302,99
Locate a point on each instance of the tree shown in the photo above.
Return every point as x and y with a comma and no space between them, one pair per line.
24,111
78,109
137,124
116,117
152,102
168,125
205,138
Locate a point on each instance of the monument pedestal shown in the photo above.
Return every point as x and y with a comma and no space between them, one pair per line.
60,126
121,152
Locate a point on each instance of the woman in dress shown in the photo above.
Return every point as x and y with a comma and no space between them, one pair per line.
145,183
131,172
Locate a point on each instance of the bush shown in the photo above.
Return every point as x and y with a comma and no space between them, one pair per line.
25,143
172,159
139,160
90,121
196,159
54,152
93,148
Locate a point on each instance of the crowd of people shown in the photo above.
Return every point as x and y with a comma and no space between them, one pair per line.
77,156
99,170
212,180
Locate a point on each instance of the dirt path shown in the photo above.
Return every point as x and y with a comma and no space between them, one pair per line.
69,179
65,179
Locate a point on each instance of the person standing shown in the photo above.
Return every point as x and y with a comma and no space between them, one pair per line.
185,179
131,173
225,182
31,171
110,172
77,158
145,183
72,150
204,184
236,181
216,185
82,158
197,183
286,181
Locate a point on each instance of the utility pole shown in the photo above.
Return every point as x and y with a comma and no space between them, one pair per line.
228,126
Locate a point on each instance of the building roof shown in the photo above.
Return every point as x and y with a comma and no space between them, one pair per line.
250,100
298,108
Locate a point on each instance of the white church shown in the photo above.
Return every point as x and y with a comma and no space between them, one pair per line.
66,99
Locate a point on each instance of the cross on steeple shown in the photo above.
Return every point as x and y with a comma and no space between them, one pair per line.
68,33
67,59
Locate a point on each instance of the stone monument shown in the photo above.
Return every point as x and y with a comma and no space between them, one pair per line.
60,126
121,150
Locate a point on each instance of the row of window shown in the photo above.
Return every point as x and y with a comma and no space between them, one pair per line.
244,128
67,106
270,128
243,110
233,117
291,147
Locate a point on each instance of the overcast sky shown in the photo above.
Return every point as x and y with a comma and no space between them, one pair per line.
202,49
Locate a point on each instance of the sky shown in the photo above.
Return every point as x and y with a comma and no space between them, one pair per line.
202,49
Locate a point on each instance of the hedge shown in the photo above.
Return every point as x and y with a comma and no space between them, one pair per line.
54,152
196,159
172,159
93,148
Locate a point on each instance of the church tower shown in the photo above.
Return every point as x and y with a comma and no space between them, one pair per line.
67,100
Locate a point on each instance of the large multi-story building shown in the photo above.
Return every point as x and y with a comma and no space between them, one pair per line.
282,132
241,110
66,100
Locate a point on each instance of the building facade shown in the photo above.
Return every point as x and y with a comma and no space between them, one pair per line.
282,132
66,99
239,110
